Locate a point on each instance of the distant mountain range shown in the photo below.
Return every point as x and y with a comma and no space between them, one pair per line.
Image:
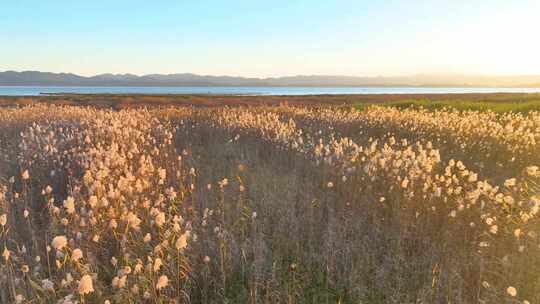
35,78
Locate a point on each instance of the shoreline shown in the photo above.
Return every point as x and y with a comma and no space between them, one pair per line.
120,101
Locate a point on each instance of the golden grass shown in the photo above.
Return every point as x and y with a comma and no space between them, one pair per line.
268,205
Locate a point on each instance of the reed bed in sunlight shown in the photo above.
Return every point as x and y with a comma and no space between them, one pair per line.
268,205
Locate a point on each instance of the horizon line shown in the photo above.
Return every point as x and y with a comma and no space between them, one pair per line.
432,74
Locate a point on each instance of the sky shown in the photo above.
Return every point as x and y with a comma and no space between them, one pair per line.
271,38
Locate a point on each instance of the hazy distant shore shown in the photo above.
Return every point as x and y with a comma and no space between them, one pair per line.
37,78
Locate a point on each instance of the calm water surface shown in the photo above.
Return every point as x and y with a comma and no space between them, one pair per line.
33,91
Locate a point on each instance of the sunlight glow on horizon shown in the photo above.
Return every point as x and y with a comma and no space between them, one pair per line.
356,38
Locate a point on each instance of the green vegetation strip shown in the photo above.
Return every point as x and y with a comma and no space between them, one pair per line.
498,107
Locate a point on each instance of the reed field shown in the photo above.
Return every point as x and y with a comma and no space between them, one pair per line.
269,204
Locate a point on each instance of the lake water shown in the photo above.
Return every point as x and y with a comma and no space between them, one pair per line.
34,91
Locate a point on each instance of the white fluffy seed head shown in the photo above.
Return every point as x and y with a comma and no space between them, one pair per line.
85,285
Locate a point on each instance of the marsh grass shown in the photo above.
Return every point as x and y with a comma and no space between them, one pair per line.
516,106
268,205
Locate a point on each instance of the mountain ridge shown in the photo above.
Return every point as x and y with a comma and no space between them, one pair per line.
37,78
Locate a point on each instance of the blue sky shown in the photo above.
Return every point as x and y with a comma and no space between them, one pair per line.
271,38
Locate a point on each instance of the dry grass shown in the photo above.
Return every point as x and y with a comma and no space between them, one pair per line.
268,205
